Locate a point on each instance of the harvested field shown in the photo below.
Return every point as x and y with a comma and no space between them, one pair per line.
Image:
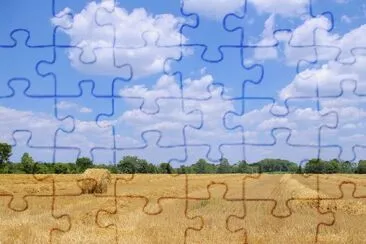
179,208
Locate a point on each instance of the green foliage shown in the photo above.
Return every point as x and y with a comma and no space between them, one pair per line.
332,166
61,168
152,169
27,164
202,167
185,170
83,163
361,168
166,168
299,170
126,167
224,167
348,167
316,166
133,164
275,165
5,152
242,167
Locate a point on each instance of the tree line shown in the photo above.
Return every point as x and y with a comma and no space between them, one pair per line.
133,164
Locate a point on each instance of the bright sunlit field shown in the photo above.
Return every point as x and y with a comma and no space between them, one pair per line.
185,209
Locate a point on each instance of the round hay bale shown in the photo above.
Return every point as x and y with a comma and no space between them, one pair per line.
95,181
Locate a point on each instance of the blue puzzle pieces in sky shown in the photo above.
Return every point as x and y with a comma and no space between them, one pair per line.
182,80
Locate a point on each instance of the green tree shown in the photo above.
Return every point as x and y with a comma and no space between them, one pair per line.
27,164
333,166
5,152
224,167
126,167
61,168
243,167
133,164
152,169
348,167
299,169
84,163
316,166
361,168
260,169
165,168
203,167
142,166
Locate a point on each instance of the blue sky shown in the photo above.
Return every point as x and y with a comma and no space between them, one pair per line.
258,78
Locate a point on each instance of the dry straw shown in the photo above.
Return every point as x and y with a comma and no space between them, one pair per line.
95,181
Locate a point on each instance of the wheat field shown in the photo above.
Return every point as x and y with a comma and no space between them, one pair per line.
185,209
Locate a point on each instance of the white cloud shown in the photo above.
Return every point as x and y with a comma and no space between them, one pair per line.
267,41
67,105
346,19
92,29
298,45
85,110
42,125
328,78
171,119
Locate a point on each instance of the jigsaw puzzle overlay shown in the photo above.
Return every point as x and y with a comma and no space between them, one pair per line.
185,121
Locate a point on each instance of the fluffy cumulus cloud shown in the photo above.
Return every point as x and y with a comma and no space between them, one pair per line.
314,31
328,79
341,82
108,37
257,124
136,35
206,110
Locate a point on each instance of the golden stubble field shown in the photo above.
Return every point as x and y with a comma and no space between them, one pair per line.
185,209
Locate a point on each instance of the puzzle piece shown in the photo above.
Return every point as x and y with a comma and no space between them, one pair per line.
191,70
348,136
281,147
171,119
213,125
173,153
230,81
260,226
330,186
328,80
15,15
290,118
20,188
212,19
282,25
215,229
83,224
197,185
349,209
174,188
118,40
41,125
25,68
43,229
280,189
133,224
17,192
79,72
